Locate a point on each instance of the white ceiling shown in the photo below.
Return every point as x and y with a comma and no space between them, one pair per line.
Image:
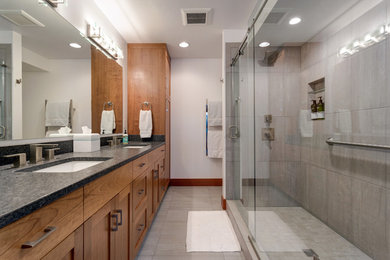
51,41
151,21
315,14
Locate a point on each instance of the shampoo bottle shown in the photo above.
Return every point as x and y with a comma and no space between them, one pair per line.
320,109
314,110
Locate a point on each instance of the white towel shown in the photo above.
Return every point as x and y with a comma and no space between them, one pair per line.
305,123
145,123
215,113
57,114
107,123
214,144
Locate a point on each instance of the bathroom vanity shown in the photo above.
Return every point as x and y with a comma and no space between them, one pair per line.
100,212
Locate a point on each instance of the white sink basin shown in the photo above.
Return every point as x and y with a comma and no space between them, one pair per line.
72,166
135,147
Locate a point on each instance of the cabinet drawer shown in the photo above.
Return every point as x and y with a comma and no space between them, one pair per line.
49,225
159,152
140,165
139,230
140,193
102,190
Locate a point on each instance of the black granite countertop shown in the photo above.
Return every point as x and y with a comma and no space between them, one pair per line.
23,191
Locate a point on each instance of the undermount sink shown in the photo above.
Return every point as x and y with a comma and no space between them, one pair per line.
73,164
136,146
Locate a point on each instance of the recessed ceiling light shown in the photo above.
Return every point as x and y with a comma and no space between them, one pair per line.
264,44
75,45
184,44
295,20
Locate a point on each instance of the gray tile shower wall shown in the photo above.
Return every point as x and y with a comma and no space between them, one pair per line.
347,188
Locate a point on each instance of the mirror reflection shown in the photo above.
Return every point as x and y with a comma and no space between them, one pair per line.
45,72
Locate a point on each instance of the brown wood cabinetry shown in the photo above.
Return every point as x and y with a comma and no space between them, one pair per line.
106,219
44,228
71,248
106,233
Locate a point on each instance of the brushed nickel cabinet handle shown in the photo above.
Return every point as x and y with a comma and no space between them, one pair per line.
48,231
141,191
115,227
142,164
120,216
155,174
140,227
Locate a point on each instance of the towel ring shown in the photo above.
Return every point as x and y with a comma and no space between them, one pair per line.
109,103
147,104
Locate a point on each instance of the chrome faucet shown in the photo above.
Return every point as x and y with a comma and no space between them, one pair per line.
21,159
36,152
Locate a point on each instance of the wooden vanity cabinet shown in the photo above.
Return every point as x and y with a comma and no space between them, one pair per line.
107,232
50,225
106,219
71,248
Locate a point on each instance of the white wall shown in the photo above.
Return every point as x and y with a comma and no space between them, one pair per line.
193,81
67,79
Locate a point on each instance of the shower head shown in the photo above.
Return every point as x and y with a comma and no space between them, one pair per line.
3,64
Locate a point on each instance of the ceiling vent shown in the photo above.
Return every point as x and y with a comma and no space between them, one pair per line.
20,18
196,16
275,17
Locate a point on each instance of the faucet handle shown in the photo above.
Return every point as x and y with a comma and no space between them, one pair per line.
21,161
49,153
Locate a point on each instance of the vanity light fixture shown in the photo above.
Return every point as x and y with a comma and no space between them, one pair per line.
184,44
75,45
369,39
102,42
264,44
295,20
52,3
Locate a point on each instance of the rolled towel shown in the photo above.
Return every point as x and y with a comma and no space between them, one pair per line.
145,123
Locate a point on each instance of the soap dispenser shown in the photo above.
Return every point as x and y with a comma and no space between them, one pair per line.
314,110
125,139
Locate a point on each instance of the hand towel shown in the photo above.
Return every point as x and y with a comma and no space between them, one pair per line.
57,113
215,113
145,123
305,123
214,144
107,123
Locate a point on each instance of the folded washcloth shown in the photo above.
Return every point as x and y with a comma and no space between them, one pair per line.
215,113
145,123
107,123
57,113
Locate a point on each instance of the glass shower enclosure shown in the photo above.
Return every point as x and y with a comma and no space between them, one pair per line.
308,71
5,92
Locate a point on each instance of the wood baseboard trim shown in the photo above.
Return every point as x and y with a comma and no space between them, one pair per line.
195,182
223,203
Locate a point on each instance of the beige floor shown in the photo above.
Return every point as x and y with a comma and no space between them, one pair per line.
167,236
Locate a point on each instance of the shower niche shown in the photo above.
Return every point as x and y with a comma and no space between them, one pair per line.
316,98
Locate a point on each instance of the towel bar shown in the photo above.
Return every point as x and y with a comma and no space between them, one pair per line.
331,141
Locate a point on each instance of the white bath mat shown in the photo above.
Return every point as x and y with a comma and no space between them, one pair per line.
210,231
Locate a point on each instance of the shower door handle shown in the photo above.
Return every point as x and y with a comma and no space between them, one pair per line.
234,132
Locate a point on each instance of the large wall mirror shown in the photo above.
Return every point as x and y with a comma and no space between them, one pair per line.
44,63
